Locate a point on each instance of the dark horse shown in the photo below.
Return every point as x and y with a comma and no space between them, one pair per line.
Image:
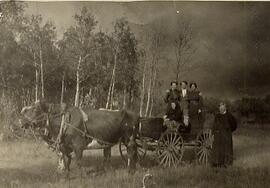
81,129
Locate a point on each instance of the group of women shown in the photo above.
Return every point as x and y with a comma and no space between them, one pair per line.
185,102
188,102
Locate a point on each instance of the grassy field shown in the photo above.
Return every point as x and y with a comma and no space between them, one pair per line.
29,164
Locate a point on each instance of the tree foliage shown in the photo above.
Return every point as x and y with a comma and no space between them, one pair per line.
82,62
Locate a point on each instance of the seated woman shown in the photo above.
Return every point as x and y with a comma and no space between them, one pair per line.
174,112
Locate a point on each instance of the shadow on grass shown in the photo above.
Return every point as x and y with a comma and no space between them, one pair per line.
37,173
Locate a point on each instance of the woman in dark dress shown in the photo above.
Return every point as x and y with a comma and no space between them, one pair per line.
224,124
195,108
174,112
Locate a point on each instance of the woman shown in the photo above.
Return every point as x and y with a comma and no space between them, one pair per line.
174,112
195,108
224,124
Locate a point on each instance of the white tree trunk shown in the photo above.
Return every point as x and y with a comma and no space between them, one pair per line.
90,92
125,98
77,95
41,71
109,95
111,88
148,96
112,99
37,78
62,88
152,93
143,89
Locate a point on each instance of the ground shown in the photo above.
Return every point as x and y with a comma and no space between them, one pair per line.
31,164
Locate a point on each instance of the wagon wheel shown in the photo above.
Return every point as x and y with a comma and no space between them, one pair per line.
204,145
141,151
170,149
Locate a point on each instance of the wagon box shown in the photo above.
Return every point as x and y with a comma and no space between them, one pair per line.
168,140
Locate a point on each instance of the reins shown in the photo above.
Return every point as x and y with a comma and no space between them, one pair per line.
89,136
55,143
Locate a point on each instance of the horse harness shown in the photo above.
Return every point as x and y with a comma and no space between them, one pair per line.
65,123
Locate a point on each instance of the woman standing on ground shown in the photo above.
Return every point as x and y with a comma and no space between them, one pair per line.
224,124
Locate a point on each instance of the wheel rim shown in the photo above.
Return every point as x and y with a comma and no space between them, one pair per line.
170,149
141,152
204,146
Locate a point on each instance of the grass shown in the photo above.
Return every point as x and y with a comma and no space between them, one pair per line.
29,164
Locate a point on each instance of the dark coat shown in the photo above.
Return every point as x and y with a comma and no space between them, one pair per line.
172,96
222,153
174,114
195,103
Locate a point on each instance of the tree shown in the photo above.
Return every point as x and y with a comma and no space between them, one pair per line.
11,22
77,45
183,48
153,40
143,61
124,45
115,49
37,41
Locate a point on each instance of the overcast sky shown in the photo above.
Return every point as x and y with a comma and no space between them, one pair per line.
231,38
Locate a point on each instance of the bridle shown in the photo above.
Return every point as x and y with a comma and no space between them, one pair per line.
32,121
43,117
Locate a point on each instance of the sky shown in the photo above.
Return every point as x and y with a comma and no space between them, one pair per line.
231,39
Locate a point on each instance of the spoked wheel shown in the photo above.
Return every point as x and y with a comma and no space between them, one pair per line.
204,146
170,149
123,150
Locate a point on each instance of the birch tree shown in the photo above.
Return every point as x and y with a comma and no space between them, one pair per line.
37,40
115,49
155,37
143,61
125,65
77,45
126,59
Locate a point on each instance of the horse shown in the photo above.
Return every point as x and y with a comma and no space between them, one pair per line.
71,129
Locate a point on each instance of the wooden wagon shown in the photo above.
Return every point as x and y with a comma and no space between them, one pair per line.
169,139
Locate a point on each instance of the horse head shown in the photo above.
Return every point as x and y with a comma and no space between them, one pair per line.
34,115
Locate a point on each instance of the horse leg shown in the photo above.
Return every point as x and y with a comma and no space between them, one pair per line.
64,158
78,158
107,152
67,161
132,155
64,162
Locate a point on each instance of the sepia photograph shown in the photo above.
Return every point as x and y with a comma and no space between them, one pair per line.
134,94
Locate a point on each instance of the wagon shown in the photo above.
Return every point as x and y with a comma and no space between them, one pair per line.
169,139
